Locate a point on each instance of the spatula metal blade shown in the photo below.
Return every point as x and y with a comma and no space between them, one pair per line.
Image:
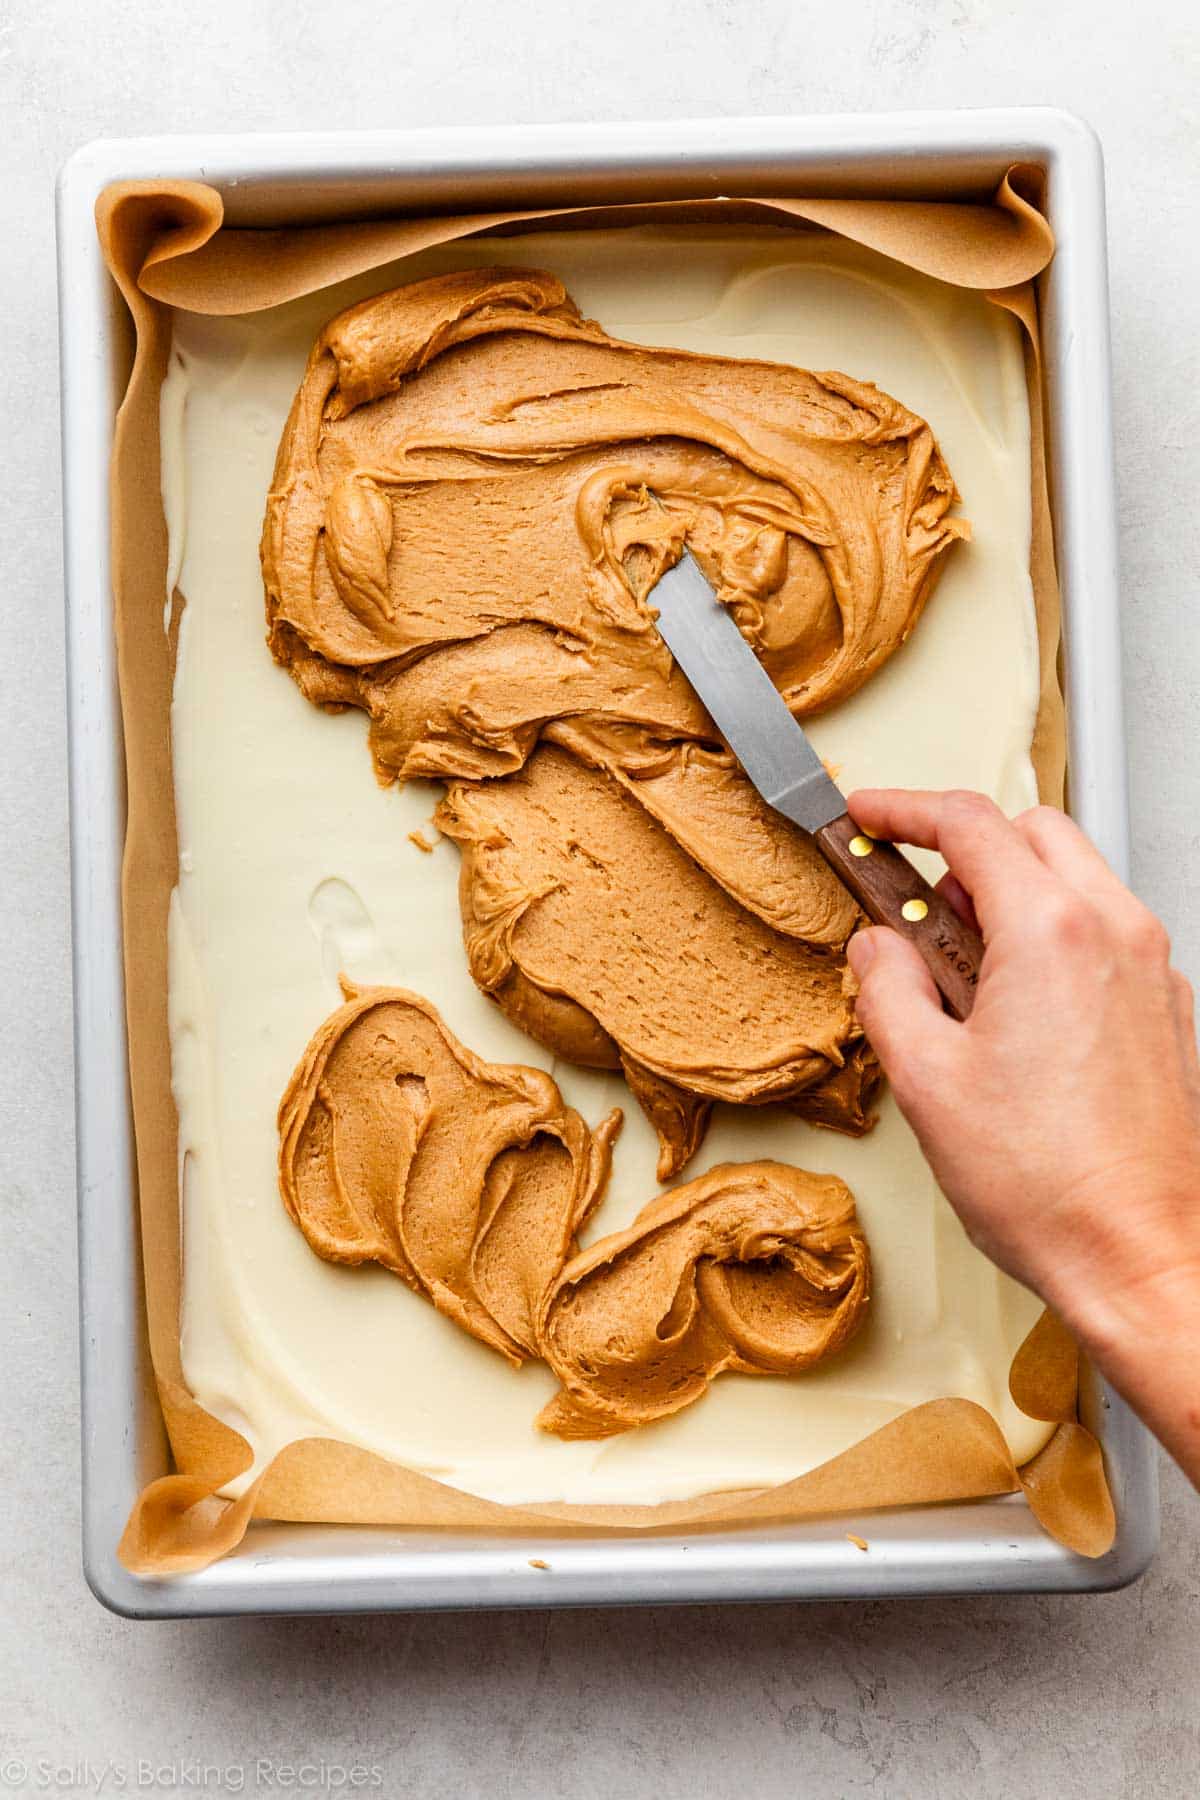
744,702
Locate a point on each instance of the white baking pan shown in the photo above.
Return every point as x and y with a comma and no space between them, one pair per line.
974,1547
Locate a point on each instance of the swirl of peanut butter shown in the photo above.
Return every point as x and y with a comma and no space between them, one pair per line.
460,541
755,1267
468,1179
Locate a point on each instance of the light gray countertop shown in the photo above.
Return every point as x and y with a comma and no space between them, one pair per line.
1065,1697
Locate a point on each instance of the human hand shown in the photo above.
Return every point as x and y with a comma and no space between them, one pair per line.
1062,1119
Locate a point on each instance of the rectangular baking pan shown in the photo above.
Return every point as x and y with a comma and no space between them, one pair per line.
977,1547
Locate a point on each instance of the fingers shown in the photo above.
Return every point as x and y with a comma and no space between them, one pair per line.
954,821
1067,853
990,858
1060,844
952,889
898,1006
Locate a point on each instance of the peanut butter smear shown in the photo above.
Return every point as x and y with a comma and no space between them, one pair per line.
469,1180
460,541
755,1267
693,997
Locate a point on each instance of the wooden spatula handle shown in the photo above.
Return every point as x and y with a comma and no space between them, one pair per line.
891,892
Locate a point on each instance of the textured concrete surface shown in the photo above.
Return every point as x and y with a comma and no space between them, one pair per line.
1065,1697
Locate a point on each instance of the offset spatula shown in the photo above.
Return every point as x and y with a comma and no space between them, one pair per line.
790,776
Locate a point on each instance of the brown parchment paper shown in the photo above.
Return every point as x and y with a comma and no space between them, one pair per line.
166,246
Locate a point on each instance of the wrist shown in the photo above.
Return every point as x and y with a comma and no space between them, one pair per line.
1130,1293
1121,1250
1136,1321
1147,1344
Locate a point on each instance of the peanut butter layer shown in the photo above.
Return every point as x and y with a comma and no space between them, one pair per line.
467,1179
600,936
755,1267
459,540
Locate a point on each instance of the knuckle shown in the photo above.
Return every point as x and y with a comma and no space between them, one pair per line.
1038,822
1068,922
1182,990
1146,936
962,804
966,817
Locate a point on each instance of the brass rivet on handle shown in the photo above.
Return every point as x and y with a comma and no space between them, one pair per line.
912,910
861,846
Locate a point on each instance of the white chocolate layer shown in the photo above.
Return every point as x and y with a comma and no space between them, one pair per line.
294,864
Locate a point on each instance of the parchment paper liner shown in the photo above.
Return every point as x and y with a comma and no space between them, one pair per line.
166,246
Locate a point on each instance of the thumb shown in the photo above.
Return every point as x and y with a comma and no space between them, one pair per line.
898,1005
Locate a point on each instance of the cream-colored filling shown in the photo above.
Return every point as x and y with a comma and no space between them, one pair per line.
294,865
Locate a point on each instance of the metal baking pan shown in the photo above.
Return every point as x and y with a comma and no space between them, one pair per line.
981,1546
